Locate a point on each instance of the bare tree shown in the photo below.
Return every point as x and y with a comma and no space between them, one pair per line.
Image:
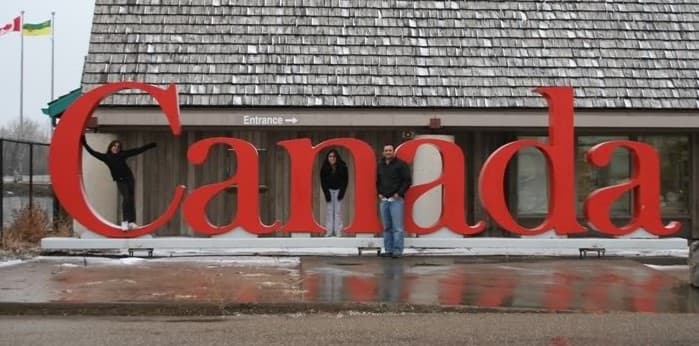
15,155
32,131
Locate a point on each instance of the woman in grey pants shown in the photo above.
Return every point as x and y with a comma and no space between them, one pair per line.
333,181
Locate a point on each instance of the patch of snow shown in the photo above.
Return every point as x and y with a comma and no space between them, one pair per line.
237,260
684,253
11,263
215,260
130,260
668,267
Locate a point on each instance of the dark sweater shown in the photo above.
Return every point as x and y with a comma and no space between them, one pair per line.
392,178
117,162
335,180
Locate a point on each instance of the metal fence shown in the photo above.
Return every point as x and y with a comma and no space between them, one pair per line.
25,179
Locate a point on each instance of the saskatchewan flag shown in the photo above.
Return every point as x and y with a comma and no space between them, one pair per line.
41,29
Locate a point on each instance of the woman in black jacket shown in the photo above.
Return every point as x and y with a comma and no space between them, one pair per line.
333,181
115,159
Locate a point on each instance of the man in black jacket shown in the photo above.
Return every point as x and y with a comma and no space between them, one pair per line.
392,181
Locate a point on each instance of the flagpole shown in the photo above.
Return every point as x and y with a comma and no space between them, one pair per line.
21,79
53,33
53,28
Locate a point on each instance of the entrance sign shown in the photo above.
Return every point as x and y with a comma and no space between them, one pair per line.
257,120
644,183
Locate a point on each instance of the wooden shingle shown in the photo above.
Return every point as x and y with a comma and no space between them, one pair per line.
637,54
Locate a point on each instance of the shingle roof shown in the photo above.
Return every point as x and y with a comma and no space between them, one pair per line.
395,53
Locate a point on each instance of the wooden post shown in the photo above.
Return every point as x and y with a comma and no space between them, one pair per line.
694,213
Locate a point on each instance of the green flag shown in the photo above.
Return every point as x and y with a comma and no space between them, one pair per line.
41,29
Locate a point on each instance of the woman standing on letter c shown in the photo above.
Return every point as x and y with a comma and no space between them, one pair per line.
115,159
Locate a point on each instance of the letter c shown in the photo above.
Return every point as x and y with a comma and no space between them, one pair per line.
65,152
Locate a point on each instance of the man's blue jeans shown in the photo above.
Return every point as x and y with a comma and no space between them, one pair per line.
392,220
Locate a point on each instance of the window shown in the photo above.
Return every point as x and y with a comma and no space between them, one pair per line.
673,150
532,180
589,178
674,172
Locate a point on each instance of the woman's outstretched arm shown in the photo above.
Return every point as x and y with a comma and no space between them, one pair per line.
93,152
136,151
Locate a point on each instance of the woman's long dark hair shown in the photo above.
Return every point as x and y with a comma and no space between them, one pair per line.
338,160
111,144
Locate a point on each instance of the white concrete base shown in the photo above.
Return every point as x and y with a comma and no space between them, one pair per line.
92,235
639,234
443,233
546,235
85,234
237,233
465,246
300,235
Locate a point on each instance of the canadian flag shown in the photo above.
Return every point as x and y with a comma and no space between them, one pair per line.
14,25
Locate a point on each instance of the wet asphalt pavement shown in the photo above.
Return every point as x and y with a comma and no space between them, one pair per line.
356,329
198,285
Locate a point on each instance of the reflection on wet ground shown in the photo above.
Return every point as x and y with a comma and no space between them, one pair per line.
591,286
576,285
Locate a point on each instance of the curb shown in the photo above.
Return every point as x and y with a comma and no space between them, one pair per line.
228,309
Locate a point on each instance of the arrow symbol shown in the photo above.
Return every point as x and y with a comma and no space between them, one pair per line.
292,120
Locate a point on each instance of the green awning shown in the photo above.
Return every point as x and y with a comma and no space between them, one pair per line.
59,105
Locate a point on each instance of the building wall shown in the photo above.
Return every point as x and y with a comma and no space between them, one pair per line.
100,189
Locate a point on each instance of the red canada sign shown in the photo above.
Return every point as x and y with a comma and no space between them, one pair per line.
643,184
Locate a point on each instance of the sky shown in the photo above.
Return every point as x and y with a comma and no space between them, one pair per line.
73,20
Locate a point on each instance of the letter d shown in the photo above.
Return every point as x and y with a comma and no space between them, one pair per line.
561,167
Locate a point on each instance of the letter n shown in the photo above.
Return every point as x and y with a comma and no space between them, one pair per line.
302,155
247,180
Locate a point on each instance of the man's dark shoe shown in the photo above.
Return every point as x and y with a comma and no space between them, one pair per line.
385,254
396,255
